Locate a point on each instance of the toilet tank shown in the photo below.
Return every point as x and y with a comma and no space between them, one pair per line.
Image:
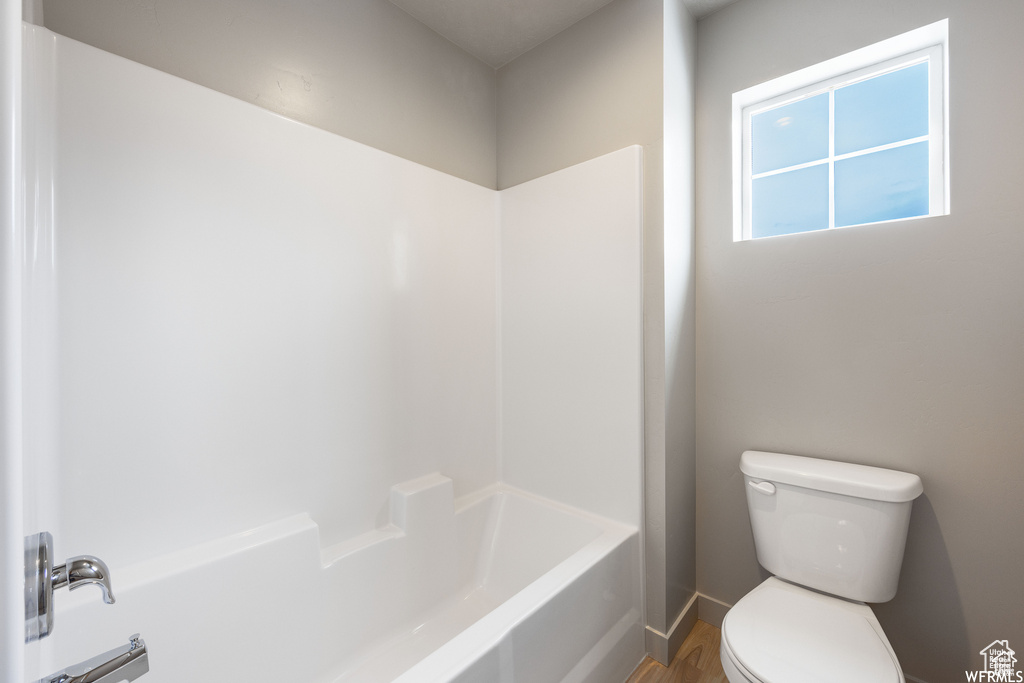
833,526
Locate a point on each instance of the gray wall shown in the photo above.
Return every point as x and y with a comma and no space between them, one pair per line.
680,318
594,88
361,68
900,346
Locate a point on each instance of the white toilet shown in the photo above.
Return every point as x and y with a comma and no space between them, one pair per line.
833,534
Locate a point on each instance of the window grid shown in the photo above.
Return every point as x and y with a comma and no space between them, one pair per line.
832,157
924,45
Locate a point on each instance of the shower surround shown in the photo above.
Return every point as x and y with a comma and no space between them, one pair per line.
327,414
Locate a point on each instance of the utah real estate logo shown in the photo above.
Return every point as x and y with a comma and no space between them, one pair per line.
1000,665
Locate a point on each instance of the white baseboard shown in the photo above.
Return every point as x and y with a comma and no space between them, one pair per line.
663,647
712,611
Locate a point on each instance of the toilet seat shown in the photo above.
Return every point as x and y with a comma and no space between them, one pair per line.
783,633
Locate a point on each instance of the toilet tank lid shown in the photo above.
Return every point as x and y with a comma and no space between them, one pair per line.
844,478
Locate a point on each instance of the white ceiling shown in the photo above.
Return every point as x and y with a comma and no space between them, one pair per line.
498,31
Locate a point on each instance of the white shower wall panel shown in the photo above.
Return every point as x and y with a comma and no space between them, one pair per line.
255,318
571,335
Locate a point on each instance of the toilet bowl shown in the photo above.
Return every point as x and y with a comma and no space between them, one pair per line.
833,534
782,633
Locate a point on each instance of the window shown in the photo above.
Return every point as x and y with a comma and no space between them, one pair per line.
856,140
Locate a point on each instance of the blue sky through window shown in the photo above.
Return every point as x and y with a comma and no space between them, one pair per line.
802,181
882,110
857,139
882,186
794,201
789,135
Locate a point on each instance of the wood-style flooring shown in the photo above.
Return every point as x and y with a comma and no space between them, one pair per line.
696,662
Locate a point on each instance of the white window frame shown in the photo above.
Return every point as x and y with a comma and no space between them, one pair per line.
929,43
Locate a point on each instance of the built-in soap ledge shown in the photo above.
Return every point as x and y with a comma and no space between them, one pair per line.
296,537
219,549
418,507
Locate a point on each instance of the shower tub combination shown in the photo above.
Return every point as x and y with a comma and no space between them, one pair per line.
500,585
236,322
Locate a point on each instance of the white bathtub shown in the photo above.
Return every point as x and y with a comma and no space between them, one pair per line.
497,586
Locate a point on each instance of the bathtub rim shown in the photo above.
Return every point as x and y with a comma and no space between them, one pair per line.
461,652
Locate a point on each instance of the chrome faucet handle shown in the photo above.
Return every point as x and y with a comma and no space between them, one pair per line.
41,578
83,571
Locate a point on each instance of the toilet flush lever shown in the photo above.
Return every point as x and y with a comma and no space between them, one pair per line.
763,487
